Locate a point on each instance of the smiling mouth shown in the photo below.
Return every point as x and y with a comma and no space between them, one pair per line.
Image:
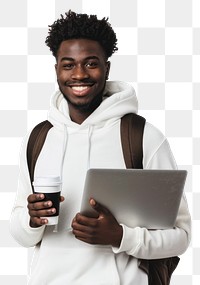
80,88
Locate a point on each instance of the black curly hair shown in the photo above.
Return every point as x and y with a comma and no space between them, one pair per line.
77,26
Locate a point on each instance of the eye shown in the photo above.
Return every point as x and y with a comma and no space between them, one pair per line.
91,64
68,66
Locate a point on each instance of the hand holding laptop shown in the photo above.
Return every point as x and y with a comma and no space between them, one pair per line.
103,229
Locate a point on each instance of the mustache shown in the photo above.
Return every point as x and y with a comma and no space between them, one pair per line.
79,82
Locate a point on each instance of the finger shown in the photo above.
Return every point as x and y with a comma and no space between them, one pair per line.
81,236
98,207
62,198
39,205
76,227
37,222
81,232
42,213
82,228
85,237
85,221
35,197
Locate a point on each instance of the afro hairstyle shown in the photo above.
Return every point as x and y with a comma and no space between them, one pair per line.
81,26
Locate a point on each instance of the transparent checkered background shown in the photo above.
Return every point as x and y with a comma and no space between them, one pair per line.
159,53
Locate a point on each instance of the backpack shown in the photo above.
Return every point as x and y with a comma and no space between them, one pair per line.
159,271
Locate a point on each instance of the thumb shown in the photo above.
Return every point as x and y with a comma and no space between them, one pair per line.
62,198
98,207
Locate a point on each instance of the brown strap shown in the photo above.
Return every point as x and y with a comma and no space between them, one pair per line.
132,128
35,144
159,271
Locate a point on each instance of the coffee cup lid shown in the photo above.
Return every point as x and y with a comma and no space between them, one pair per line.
47,181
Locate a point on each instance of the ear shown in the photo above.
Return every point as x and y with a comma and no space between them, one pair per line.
107,69
56,67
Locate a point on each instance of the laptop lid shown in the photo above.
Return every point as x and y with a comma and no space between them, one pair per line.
145,198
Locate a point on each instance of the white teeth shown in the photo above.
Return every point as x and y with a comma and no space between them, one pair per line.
79,88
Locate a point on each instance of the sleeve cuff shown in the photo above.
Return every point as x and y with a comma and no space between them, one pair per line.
130,242
33,235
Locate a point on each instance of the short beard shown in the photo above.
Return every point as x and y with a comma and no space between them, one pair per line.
88,107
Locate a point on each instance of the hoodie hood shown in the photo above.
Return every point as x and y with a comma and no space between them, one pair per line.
119,99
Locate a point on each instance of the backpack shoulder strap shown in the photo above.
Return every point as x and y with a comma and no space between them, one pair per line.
35,144
159,271
132,128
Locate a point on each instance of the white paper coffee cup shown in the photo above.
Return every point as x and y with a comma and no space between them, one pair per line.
50,186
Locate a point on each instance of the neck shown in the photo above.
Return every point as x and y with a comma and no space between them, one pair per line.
78,116
79,113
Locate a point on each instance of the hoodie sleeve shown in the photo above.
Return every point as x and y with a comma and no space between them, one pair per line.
19,222
153,244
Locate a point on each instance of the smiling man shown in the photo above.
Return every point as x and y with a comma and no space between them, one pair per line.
86,114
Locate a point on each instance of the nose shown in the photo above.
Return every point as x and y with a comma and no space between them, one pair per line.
79,72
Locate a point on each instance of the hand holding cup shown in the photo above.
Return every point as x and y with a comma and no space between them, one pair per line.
44,204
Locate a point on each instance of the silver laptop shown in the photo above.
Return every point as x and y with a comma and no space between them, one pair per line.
144,198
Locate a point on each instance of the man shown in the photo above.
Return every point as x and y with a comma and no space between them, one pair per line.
86,113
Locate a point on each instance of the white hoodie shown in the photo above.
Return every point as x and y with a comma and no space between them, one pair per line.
69,150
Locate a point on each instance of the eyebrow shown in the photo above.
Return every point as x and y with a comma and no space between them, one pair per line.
72,59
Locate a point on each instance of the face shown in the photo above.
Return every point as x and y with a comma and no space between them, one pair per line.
82,71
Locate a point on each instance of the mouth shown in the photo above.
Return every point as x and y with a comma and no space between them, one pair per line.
81,90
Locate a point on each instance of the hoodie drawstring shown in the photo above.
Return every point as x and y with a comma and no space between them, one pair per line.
65,139
90,130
